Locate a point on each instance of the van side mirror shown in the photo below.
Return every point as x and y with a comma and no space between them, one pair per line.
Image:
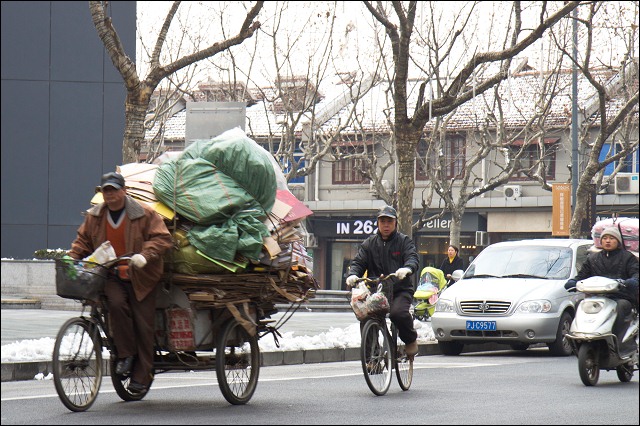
456,275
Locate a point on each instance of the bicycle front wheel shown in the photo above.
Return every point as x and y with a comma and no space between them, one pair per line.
375,354
77,364
403,364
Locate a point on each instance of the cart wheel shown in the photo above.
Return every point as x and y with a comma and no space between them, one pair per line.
237,363
121,382
376,357
77,364
403,364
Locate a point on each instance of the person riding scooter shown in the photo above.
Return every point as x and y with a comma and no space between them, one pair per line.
614,261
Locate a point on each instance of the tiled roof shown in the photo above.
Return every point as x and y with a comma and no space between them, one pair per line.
519,96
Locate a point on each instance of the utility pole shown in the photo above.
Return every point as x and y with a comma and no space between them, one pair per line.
574,115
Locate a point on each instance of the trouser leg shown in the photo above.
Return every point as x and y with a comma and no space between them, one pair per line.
119,294
401,316
144,323
623,319
132,326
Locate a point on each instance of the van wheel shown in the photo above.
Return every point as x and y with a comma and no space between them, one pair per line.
450,348
562,347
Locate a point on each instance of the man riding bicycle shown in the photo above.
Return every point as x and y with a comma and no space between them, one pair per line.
389,251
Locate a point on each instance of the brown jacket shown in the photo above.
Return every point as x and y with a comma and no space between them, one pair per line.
146,234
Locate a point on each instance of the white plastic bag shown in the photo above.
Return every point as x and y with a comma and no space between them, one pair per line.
359,295
377,304
103,254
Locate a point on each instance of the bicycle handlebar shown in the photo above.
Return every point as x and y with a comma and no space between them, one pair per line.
376,280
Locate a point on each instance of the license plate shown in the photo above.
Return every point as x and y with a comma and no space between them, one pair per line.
481,325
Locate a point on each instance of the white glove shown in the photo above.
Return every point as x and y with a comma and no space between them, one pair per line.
403,272
138,260
351,280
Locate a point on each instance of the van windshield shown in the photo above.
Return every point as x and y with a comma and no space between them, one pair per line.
552,263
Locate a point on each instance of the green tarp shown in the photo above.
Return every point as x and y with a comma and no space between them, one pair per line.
225,186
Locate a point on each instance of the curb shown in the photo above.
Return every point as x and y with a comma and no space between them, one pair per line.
18,371
21,303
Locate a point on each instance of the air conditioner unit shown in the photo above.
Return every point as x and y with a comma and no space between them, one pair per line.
385,184
482,238
512,192
310,240
626,183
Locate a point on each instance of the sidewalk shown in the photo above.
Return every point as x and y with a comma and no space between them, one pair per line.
23,324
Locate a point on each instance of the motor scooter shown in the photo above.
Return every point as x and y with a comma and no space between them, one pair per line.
591,337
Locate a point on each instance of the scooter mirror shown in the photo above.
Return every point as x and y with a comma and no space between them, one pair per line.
457,274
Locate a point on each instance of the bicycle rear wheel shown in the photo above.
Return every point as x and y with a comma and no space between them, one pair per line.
375,355
403,364
237,363
77,364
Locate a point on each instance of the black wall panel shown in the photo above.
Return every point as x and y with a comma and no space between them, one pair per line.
62,118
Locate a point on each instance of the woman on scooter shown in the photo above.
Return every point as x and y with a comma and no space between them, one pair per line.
614,261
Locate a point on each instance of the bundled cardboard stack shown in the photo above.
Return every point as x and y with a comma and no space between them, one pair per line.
282,273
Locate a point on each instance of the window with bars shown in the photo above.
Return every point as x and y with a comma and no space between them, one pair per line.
348,170
453,150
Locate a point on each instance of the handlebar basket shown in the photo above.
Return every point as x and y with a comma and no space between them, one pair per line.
80,280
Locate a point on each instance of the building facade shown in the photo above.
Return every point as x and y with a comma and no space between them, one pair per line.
62,118
344,201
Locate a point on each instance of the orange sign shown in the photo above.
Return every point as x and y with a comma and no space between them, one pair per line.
561,209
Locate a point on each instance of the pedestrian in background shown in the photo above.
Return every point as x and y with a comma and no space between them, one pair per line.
452,263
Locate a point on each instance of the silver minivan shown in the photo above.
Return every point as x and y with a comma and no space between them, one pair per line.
512,293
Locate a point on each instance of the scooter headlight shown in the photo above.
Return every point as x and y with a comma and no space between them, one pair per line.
591,306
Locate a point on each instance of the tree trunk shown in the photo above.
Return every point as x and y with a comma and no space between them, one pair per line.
406,140
133,131
456,226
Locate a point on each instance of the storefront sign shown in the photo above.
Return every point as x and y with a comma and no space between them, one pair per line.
356,227
360,227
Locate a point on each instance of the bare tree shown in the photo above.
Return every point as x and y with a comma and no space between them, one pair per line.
289,76
398,21
139,91
613,113
489,158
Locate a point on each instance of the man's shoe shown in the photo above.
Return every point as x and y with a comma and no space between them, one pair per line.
411,349
124,366
135,387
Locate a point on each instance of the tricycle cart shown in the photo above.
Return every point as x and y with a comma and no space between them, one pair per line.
203,322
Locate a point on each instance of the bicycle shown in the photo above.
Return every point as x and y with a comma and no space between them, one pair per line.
381,350
82,342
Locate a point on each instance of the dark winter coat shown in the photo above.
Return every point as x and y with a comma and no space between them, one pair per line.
448,267
616,264
380,257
